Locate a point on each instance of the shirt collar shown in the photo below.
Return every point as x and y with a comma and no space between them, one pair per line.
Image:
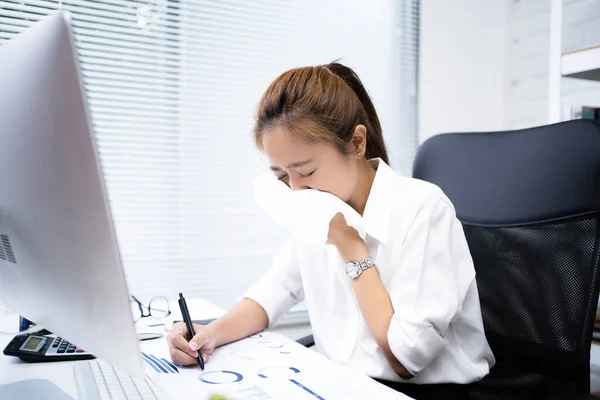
378,209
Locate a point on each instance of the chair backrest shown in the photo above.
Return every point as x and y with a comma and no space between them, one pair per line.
529,202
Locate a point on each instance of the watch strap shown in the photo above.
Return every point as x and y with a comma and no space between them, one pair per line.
355,269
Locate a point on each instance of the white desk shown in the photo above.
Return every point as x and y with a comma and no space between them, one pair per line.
61,373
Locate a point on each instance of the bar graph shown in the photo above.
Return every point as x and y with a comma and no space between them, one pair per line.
160,365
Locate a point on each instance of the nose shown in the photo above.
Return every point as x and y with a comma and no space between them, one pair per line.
295,184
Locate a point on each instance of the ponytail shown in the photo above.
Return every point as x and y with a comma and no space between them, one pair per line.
375,143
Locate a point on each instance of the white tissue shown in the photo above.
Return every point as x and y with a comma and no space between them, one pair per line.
305,214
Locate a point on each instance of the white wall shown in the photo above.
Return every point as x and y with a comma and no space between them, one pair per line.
463,65
527,91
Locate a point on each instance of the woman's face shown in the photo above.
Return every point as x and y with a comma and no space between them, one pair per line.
317,166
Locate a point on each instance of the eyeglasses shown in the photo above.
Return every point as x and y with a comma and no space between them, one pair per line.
157,308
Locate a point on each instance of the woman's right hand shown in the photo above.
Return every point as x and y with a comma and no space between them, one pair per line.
184,352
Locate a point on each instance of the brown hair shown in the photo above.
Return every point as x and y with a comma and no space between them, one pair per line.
322,103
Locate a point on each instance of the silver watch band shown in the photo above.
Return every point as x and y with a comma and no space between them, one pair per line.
366,263
354,269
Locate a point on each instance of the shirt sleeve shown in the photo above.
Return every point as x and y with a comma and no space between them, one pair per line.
281,287
433,273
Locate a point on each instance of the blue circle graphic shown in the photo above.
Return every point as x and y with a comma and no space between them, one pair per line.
238,377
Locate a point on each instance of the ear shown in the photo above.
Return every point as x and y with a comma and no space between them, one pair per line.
358,143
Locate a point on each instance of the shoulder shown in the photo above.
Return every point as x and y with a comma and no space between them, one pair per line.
418,208
412,196
397,202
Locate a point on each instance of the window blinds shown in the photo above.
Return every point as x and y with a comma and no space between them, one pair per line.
172,87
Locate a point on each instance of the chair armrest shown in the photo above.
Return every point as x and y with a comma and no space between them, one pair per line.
306,341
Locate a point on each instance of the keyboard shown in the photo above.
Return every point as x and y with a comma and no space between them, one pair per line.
98,380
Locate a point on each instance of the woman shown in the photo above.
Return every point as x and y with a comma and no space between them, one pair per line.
410,315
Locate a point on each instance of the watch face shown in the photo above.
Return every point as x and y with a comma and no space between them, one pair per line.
352,270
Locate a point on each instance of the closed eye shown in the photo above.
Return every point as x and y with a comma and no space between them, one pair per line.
307,175
282,177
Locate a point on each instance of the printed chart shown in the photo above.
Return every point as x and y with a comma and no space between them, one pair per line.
262,367
160,364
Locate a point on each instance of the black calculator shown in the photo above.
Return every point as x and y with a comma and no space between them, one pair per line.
38,348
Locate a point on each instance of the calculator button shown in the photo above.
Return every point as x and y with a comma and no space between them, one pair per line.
80,351
55,344
61,350
71,350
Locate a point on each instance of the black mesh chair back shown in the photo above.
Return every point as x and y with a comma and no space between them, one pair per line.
529,202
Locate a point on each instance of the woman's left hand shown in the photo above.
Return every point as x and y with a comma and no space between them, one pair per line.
346,239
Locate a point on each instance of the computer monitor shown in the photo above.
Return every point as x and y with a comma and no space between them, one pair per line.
59,259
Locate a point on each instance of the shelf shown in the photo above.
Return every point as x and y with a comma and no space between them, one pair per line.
582,64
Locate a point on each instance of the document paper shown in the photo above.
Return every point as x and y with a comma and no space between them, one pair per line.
263,366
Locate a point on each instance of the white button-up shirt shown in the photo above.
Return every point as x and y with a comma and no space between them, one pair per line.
422,257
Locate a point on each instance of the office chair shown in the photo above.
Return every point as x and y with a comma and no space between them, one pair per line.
529,202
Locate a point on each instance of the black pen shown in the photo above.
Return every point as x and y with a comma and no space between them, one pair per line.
185,314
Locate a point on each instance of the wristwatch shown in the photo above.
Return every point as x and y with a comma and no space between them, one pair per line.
354,269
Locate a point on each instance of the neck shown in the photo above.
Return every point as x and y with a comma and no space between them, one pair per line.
366,176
